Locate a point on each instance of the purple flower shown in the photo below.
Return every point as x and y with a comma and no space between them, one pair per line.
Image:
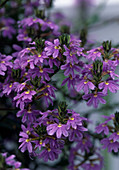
87,69
7,89
75,46
54,143
73,133
110,117
112,74
24,97
7,27
114,136
94,99
27,129
47,98
29,7
17,48
19,87
39,144
70,55
53,61
59,129
52,49
102,128
23,37
39,57
34,23
70,81
84,144
70,69
26,142
31,56
91,166
5,63
12,162
74,121
110,144
49,154
109,65
93,54
85,85
40,72
28,115
110,84
54,27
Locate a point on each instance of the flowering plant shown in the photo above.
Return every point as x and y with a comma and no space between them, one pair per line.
47,72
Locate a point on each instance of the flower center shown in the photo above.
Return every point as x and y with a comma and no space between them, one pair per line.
29,111
28,61
2,61
92,164
70,76
46,94
27,140
71,54
10,85
39,55
25,38
85,82
103,125
106,83
41,70
95,95
41,142
83,142
27,92
56,47
106,61
60,125
25,74
111,141
49,149
28,132
71,118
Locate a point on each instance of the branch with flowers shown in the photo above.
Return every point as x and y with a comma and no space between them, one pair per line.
48,72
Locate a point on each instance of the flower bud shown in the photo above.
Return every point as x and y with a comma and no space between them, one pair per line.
106,46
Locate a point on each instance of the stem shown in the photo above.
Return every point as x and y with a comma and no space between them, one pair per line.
81,163
37,138
43,88
54,115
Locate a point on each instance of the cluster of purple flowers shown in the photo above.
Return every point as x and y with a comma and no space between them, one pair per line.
83,150
7,29
110,133
99,77
34,24
27,79
48,131
9,162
